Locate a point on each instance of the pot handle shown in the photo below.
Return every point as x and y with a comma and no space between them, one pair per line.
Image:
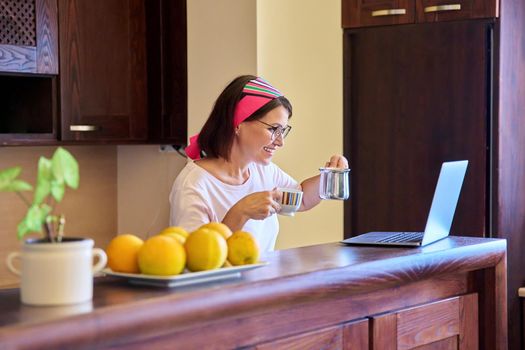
10,265
102,259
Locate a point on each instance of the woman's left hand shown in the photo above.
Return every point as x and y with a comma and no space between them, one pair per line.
337,161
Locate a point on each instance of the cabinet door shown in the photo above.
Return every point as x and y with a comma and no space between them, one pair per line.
446,324
414,97
363,13
446,10
352,335
29,36
103,70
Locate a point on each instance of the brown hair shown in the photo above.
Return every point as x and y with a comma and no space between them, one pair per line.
217,134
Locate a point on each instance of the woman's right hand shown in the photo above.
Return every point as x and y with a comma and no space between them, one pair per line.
256,206
260,205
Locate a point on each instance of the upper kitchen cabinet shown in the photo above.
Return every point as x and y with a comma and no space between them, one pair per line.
364,13
103,80
439,10
28,36
167,67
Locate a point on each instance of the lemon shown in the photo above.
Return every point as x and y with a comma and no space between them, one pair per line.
122,253
205,250
219,227
162,256
243,248
176,232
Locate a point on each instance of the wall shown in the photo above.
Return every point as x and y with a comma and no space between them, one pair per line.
144,181
221,45
299,50
91,210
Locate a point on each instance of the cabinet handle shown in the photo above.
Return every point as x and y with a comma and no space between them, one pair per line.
389,12
439,8
83,128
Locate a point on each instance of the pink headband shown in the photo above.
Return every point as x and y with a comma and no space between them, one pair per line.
257,93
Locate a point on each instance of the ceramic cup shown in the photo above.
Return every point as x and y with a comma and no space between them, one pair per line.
57,273
290,201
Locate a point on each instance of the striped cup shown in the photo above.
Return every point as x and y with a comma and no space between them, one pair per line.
290,201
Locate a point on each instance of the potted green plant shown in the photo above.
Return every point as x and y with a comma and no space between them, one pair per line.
55,270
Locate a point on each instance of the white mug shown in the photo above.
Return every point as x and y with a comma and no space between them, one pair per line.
57,273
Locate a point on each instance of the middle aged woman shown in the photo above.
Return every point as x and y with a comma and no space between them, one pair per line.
232,178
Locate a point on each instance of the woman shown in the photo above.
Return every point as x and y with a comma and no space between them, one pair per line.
232,178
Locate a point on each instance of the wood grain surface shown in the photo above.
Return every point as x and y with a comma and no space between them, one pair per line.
301,290
103,69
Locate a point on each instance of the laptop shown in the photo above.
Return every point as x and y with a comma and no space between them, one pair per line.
439,218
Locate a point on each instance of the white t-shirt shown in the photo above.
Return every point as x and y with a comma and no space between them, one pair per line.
197,197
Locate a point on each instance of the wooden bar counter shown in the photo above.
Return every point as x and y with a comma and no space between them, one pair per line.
448,295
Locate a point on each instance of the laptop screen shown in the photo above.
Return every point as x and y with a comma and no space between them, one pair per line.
445,201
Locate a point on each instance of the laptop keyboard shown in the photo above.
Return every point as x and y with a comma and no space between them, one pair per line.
403,237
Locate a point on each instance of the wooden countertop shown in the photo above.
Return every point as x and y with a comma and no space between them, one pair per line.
294,276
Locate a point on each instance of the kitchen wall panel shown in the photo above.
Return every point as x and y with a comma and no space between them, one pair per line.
299,50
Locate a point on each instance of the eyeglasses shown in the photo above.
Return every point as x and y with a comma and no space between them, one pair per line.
277,130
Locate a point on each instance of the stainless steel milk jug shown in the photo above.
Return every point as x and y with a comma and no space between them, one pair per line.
335,183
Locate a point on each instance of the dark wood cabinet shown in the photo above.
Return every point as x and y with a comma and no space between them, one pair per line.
445,324
123,72
364,13
28,36
450,323
330,338
167,71
103,93
28,71
444,88
439,10
411,103
29,109
347,336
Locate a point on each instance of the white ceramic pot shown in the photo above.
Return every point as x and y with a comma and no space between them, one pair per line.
57,273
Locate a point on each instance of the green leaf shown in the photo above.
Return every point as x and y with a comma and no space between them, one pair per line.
22,229
7,176
65,167
43,183
35,218
57,190
45,209
17,186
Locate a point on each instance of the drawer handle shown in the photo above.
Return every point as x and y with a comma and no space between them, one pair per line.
83,128
389,12
439,8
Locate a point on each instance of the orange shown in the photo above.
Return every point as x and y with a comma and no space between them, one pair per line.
243,248
175,236
122,253
174,231
206,250
162,256
219,227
